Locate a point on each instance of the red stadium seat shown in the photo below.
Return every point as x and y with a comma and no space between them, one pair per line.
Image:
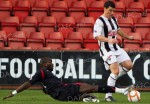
133,44
74,41
36,40
85,25
66,25
126,29
120,9
120,6
69,2
90,43
135,10
10,24
143,20
126,2
96,9
88,2
3,39
126,24
5,9
59,9
17,39
126,21
142,29
146,41
47,25
29,24
33,1
22,9
146,2
78,9
55,40
40,7
13,2
148,10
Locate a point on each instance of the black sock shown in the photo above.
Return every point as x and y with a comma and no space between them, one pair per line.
106,89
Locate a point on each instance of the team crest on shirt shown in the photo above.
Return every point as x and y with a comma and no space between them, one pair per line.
109,57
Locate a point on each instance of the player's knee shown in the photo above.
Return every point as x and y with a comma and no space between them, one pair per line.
116,72
129,66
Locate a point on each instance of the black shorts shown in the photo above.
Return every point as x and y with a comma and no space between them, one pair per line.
69,92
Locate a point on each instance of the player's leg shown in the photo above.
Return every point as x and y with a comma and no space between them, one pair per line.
87,88
125,62
114,68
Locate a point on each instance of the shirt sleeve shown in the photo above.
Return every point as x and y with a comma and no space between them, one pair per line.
98,28
36,77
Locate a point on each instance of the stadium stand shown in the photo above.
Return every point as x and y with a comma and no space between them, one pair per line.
146,2
126,24
22,9
66,25
17,39
55,40
69,17
133,44
5,9
148,10
146,41
120,9
59,9
142,29
74,41
10,24
78,9
126,2
3,39
85,25
135,8
40,7
95,9
90,43
36,40
29,24
47,25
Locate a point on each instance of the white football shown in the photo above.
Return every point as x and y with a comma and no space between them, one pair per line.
134,96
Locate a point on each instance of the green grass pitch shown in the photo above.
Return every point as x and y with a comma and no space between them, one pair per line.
37,97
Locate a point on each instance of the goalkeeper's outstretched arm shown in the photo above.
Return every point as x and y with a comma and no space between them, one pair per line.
19,89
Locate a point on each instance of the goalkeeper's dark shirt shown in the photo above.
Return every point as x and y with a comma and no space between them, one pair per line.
50,82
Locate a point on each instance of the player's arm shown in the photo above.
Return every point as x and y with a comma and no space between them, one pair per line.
122,34
19,89
37,77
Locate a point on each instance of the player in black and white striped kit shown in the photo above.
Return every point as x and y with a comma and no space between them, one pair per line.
105,31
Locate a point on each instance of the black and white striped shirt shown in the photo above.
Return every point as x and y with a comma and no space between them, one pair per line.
108,28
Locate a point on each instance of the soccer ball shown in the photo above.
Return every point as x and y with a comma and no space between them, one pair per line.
134,96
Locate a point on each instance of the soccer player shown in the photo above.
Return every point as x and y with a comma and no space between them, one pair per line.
116,59
63,92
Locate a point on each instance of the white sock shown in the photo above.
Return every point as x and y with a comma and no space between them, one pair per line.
111,82
119,90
